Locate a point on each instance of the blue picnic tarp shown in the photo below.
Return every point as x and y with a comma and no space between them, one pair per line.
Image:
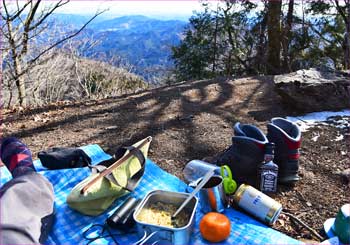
69,225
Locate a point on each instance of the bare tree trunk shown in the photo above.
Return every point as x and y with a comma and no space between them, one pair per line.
274,36
346,18
347,37
215,39
287,36
17,32
19,81
21,91
11,94
16,64
215,42
261,49
229,65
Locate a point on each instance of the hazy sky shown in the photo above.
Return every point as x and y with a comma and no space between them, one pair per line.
117,8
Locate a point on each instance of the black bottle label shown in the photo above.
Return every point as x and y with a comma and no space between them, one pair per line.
268,180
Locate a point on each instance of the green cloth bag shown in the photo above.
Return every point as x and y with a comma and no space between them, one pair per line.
123,176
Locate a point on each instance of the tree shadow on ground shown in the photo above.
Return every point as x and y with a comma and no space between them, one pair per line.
187,120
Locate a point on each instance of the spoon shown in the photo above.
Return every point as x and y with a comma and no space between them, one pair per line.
205,179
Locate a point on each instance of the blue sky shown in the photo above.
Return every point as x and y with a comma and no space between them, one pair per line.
163,9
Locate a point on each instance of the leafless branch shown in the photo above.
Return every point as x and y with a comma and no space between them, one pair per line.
66,38
47,14
17,13
315,233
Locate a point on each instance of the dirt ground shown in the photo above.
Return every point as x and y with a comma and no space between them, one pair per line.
194,120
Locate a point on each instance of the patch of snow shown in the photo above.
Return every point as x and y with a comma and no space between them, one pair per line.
311,119
315,138
339,138
342,126
320,116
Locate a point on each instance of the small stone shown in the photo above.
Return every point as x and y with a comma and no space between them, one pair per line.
308,204
345,174
309,175
111,127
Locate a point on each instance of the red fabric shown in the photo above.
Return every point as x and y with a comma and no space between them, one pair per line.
292,145
261,146
294,156
15,159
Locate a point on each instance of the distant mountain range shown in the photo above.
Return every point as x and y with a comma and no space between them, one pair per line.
143,42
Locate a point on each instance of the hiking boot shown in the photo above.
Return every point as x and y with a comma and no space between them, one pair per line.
287,138
245,154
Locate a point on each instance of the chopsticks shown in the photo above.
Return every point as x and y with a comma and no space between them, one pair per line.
113,166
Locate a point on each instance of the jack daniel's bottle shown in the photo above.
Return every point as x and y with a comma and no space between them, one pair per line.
268,171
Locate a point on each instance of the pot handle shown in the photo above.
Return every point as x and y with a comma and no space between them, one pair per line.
145,238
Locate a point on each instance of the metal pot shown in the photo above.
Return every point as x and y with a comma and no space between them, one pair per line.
156,234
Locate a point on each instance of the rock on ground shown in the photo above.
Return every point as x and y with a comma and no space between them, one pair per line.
314,90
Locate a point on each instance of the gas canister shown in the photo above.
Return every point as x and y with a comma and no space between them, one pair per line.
257,203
